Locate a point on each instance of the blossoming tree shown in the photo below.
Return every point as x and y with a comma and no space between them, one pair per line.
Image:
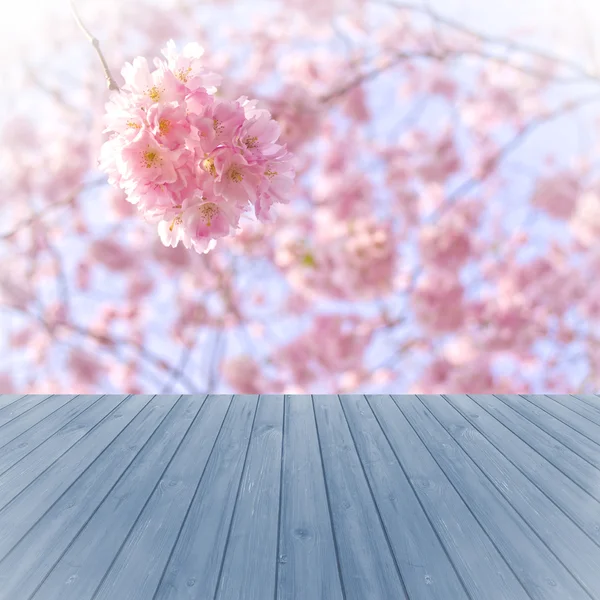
330,197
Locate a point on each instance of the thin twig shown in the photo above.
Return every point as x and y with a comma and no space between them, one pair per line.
112,84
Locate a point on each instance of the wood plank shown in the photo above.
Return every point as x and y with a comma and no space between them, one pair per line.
32,417
484,571
578,553
193,569
541,573
307,563
590,400
28,441
426,568
576,502
16,409
138,567
249,566
579,407
367,564
68,553
579,444
530,425
14,480
6,399
108,448
582,425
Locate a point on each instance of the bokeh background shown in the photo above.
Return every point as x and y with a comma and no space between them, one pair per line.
441,236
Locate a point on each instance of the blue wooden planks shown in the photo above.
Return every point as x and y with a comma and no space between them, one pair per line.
299,497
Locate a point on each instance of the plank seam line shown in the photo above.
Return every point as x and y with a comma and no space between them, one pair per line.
507,501
521,470
335,542
565,423
534,449
56,460
385,532
586,402
578,404
435,531
12,401
237,497
26,411
102,501
483,529
187,512
279,514
51,435
118,552
42,419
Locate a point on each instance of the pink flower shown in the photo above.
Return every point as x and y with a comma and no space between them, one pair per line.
557,195
187,67
189,162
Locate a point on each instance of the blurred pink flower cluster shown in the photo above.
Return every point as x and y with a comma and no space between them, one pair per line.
189,161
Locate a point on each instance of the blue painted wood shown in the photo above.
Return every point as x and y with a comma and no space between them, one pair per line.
7,399
194,567
578,406
307,560
32,417
249,567
368,567
582,425
424,562
30,504
485,572
581,445
590,400
511,412
15,409
140,563
537,568
80,569
299,498
576,502
27,442
577,552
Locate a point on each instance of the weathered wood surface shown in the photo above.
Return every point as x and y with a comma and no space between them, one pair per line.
300,497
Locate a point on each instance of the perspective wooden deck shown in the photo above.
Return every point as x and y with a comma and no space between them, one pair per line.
307,498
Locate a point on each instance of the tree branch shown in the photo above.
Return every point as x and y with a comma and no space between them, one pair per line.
112,84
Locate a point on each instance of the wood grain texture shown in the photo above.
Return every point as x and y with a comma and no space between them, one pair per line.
194,567
24,510
579,407
24,472
32,417
7,399
13,451
426,568
249,567
299,497
518,417
537,568
578,553
307,561
485,572
16,409
140,563
368,567
566,435
582,508
581,425
81,567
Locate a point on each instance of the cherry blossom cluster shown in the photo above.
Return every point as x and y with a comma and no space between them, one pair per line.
192,162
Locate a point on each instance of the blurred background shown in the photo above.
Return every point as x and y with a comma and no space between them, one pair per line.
441,237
